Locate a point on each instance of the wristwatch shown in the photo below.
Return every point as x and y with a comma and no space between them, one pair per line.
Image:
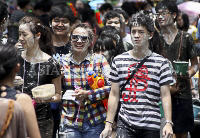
167,121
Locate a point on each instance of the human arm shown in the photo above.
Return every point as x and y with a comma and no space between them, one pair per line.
167,106
29,112
112,108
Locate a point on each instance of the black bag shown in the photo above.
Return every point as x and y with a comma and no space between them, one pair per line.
131,76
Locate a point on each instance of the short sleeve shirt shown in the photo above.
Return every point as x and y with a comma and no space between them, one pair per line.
139,98
188,51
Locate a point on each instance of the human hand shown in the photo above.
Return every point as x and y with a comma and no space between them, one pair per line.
80,95
185,77
107,132
167,131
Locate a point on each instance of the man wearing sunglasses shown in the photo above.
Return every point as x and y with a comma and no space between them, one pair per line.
174,41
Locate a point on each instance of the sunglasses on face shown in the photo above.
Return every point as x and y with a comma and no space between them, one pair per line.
75,38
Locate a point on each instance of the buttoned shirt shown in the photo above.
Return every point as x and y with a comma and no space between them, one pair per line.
76,74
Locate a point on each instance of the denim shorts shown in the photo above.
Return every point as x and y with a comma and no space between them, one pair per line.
86,132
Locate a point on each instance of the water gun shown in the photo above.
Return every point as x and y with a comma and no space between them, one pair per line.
96,81
71,5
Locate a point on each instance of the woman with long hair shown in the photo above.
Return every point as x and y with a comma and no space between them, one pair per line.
39,68
9,66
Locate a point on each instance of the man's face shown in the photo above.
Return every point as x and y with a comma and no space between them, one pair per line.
140,36
60,26
79,5
114,22
165,17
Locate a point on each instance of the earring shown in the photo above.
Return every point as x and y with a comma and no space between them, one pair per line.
50,25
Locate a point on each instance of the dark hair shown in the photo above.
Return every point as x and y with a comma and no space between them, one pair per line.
8,59
3,10
144,20
46,5
170,5
105,43
23,3
88,28
37,6
86,16
111,14
186,22
61,11
45,40
113,33
155,43
120,11
127,7
105,7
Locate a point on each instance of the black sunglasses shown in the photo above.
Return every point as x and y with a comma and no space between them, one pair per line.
75,38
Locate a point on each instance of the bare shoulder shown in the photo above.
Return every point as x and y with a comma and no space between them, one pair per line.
23,97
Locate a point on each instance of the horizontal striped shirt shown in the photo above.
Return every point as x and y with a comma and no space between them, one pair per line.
74,113
139,99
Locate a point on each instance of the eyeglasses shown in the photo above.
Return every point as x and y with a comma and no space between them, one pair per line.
75,38
163,14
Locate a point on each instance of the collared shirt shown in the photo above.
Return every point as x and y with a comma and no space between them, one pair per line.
74,112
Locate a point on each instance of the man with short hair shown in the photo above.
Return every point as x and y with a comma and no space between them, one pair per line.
178,45
126,37
46,8
139,94
113,18
16,16
105,8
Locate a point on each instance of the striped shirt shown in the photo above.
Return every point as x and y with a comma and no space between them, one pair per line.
139,99
76,75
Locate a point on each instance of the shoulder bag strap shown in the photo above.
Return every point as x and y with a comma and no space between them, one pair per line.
9,114
179,51
134,71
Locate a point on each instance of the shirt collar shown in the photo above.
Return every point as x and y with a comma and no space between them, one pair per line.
71,60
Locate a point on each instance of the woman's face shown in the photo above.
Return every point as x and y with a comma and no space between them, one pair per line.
180,21
60,26
26,37
103,51
80,40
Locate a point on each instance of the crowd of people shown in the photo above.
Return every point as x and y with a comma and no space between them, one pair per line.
108,77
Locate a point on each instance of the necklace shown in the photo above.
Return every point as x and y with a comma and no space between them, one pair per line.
25,72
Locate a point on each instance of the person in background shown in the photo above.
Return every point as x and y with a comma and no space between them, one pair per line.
46,7
112,18
39,68
38,9
83,116
79,5
126,37
182,21
113,33
3,16
172,38
139,113
9,67
128,8
16,16
61,19
105,8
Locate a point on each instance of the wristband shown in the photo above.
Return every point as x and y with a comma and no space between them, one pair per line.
167,121
109,122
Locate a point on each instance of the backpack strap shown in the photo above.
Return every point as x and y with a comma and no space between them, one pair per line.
8,118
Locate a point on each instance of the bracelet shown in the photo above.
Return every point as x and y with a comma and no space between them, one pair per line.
167,121
109,122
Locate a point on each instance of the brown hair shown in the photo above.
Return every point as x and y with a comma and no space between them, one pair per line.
45,40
